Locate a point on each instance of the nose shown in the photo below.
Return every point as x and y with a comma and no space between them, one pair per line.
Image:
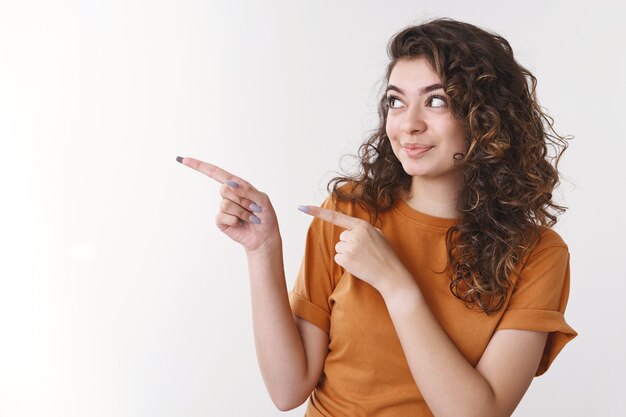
412,121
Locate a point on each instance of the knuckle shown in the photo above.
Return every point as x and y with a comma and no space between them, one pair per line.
243,183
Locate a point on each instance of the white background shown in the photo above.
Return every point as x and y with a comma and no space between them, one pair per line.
118,294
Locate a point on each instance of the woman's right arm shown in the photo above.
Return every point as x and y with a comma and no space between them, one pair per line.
290,351
279,346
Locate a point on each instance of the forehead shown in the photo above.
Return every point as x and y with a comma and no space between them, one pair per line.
413,72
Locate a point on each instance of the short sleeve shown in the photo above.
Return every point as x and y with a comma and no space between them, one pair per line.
309,298
538,301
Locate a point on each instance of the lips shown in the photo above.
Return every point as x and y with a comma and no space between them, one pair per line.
413,151
416,146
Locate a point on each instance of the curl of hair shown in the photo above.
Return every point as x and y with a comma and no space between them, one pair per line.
508,176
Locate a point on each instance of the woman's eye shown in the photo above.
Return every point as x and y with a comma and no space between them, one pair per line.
437,98
390,101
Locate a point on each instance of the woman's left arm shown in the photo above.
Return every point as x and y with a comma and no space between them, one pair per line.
450,385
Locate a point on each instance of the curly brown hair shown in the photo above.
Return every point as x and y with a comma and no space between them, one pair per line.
508,175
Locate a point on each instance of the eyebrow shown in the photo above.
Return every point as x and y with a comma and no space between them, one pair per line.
421,91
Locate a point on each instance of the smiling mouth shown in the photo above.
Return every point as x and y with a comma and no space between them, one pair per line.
413,152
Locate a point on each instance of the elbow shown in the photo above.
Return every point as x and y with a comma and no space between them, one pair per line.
484,413
287,406
282,406
488,412
293,397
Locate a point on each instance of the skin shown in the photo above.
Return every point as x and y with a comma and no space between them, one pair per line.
425,119
236,205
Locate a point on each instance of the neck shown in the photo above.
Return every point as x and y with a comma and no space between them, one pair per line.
434,196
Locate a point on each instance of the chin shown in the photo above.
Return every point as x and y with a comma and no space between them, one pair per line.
426,170
413,170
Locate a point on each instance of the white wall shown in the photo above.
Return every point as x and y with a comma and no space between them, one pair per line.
118,294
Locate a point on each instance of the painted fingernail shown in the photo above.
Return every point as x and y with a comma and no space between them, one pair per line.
304,209
255,219
232,184
255,207
179,159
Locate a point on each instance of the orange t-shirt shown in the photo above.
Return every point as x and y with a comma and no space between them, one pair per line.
366,372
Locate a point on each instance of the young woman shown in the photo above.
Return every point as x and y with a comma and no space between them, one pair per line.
432,282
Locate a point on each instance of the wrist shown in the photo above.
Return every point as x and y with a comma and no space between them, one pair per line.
403,290
268,247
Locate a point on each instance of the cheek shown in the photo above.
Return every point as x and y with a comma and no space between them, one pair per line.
391,129
459,141
388,129
462,141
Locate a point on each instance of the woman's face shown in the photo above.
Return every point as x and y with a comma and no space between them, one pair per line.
424,136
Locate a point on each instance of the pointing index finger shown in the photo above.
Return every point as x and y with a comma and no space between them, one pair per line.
210,170
335,217
248,190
